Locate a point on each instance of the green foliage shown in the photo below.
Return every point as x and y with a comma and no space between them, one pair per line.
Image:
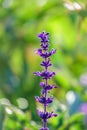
20,22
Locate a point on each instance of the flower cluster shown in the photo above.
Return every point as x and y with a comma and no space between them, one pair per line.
46,75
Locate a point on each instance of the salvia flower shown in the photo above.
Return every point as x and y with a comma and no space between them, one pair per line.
46,63
45,54
46,115
45,75
44,38
43,100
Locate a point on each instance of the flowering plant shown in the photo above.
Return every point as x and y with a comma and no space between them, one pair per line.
46,75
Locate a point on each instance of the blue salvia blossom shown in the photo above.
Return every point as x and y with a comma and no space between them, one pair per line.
46,75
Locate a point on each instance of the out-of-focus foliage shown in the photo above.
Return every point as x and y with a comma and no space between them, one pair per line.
20,22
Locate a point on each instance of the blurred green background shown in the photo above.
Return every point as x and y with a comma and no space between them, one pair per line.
20,23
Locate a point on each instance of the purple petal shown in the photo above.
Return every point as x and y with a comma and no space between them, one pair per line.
49,87
55,115
40,35
53,51
40,113
37,98
52,74
37,73
41,100
42,84
39,52
49,100
51,115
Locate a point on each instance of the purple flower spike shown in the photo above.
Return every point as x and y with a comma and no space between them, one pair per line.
45,75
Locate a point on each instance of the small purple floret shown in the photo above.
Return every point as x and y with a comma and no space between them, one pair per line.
44,37
42,84
46,115
45,54
45,74
43,100
49,87
46,63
